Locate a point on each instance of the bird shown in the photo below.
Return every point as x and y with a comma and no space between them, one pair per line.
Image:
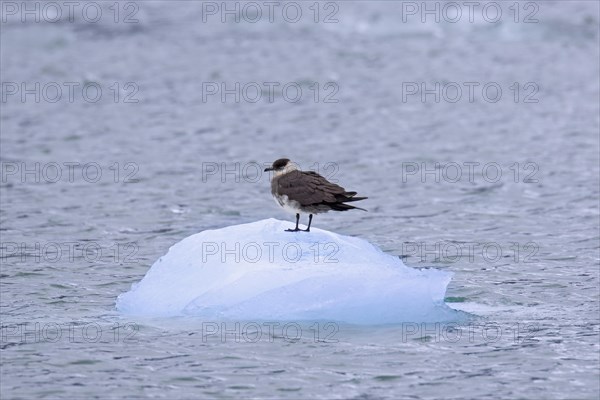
307,192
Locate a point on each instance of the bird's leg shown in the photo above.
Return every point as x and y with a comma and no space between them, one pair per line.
296,229
309,221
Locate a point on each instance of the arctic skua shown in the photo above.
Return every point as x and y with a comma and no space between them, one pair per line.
307,192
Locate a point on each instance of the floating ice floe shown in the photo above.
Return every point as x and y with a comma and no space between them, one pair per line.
257,271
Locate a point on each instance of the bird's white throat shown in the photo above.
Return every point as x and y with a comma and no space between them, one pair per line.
288,168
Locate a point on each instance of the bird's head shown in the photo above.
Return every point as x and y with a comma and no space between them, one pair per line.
282,166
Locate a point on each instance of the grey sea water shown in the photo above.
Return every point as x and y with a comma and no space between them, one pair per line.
123,132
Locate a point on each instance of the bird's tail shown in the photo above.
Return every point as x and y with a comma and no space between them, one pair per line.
349,196
354,199
344,207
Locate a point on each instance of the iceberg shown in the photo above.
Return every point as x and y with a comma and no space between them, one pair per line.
256,271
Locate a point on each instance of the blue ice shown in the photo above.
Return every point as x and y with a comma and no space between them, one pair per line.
256,271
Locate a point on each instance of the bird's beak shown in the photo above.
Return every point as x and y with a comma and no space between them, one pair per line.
268,169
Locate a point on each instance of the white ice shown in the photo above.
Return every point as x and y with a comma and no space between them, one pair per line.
257,271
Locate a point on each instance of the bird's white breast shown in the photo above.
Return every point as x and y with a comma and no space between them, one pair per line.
288,205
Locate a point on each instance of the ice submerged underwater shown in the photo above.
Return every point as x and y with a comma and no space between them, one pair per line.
257,271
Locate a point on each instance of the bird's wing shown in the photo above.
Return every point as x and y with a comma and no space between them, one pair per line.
308,187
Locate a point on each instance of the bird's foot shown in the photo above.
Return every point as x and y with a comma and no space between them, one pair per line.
292,230
306,230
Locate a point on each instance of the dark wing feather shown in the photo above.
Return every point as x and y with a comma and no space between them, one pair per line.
309,188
